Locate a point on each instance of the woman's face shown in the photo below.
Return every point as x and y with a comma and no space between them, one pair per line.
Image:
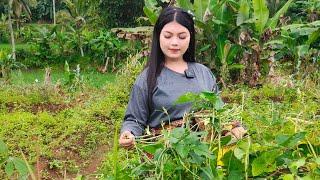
174,40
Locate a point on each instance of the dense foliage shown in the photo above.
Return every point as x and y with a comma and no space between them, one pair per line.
244,40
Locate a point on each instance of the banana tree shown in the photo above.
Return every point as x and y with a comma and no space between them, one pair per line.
79,10
15,8
262,32
217,34
298,42
13,44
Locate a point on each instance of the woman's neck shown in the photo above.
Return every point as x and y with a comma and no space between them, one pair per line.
178,65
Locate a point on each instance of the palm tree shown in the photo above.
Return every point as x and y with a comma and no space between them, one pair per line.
79,10
16,7
54,11
13,44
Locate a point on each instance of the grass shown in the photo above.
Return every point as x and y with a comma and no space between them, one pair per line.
7,47
91,78
61,131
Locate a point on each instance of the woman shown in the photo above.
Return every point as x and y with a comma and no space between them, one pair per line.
170,73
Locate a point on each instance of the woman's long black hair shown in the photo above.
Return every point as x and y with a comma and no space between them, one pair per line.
156,59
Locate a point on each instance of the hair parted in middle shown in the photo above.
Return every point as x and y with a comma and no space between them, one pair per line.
157,58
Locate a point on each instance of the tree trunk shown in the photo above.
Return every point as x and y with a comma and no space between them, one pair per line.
54,11
80,44
13,44
47,77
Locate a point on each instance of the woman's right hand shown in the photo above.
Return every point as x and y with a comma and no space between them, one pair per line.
127,140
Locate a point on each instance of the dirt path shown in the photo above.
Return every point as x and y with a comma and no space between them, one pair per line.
88,170
95,160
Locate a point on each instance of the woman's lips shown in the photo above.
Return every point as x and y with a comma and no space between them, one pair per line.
174,50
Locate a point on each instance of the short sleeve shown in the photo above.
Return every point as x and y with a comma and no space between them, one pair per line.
137,113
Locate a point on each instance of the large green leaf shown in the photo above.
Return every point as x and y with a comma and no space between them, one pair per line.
260,14
21,166
3,148
272,23
9,168
304,31
151,10
151,14
243,12
265,162
185,4
214,5
200,7
313,37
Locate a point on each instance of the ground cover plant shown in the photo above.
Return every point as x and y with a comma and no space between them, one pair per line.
62,133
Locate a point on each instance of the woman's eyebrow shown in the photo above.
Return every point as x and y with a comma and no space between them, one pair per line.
173,33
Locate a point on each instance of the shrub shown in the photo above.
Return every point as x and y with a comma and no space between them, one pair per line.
121,13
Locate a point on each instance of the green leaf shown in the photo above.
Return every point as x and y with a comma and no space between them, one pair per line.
315,23
9,168
303,31
236,66
66,67
313,37
202,150
296,164
219,103
3,148
220,47
152,148
272,23
260,14
185,4
209,96
265,162
21,166
206,47
292,26
302,50
182,150
243,13
235,175
200,7
207,173
317,160
188,97
309,177
214,5
150,3
238,153
151,14
288,177
169,167
281,139
195,158
232,54
291,141
225,140
178,132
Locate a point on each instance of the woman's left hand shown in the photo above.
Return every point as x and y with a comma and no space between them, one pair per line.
237,132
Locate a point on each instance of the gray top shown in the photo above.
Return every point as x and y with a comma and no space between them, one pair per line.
170,86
